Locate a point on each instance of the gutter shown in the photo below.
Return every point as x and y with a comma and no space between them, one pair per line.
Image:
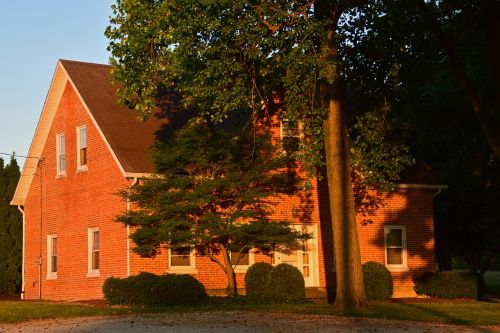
20,208
134,181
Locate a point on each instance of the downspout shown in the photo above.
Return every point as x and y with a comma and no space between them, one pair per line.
438,191
19,207
134,181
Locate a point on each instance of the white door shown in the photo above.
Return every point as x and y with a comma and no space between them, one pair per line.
303,258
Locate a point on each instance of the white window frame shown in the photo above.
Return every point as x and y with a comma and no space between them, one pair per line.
404,249
81,167
52,275
243,268
299,124
91,272
191,269
61,173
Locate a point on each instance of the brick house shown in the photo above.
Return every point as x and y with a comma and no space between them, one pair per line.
86,148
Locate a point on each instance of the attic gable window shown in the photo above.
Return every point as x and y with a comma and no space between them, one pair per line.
61,154
81,153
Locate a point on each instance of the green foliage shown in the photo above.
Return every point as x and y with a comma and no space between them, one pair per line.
211,195
447,284
223,58
377,280
10,230
256,280
283,283
286,284
154,290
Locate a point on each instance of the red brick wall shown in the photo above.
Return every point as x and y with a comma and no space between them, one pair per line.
84,200
69,206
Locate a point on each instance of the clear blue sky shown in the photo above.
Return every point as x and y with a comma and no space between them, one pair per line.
34,34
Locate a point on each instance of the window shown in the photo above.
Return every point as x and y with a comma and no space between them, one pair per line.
51,257
81,153
395,247
61,154
182,259
290,135
93,252
240,260
241,263
290,131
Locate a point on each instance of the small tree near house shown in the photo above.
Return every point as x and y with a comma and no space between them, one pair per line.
211,195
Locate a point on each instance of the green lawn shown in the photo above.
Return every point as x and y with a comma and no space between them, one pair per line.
464,312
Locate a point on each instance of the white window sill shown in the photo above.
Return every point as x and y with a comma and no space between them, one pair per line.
93,274
52,276
61,175
182,270
398,268
242,269
82,168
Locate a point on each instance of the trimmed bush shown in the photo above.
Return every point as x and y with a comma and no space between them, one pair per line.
286,284
282,284
154,290
447,284
377,280
257,280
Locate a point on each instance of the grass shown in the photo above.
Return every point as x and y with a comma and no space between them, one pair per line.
458,312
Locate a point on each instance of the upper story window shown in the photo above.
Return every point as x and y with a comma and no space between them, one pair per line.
395,247
52,257
61,154
81,153
94,248
290,135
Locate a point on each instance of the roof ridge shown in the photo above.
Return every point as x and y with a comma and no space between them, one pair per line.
82,62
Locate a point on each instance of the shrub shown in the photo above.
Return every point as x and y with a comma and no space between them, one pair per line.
154,290
257,280
377,280
286,284
283,283
447,284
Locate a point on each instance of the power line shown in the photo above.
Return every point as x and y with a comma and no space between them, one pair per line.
16,155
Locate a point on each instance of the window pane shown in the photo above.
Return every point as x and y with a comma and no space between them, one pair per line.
53,267
237,259
394,237
54,246
290,130
95,241
394,256
62,144
180,256
95,260
83,137
83,156
62,162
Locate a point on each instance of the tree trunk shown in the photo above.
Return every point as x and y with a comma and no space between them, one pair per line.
350,288
232,287
481,285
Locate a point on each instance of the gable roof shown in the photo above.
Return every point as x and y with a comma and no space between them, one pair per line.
127,139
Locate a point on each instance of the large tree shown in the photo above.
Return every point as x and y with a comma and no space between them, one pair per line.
409,69
213,195
10,230
255,56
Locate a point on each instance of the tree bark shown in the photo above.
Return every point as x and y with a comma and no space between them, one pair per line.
232,287
349,274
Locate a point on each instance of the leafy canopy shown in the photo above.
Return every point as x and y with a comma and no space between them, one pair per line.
211,194
233,56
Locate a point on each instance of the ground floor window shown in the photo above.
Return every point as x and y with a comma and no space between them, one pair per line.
182,259
52,257
94,245
395,247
